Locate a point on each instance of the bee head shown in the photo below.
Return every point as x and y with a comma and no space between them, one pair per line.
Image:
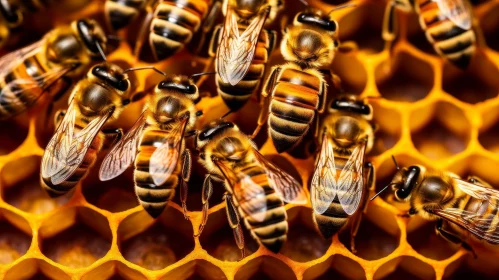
92,34
180,84
404,181
317,19
213,129
111,75
350,103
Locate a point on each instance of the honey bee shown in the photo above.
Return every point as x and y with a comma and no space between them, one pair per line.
156,144
256,188
95,101
295,92
447,24
342,178
242,48
169,24
47,65
462,208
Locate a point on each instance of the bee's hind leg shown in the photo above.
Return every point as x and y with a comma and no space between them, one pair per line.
357,218
234,223
451,237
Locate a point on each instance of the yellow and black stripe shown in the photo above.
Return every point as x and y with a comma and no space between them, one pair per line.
449,40
174,24
152,197
295,101
121,13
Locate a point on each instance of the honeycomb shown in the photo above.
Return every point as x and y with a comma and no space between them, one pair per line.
428,113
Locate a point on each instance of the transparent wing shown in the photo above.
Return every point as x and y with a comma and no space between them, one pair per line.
249,194
457,11
236,51
483,227
284,184
477,191
57,150
164,159
351,180
11,60
323,187
124,152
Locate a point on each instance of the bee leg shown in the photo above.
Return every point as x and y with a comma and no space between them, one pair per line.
112,133
206,192
451,237
368,186
234,223
262,118
143,32
186,175
208,23
390,24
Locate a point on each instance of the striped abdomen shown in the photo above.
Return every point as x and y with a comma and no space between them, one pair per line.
272,231
80,172
152,197
333,220
174,24
295,100
121,13
448,40
236,96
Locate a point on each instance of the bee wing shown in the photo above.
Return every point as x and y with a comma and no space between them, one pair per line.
69,148
124,152
249,194
236,51
284,184
351,180
457,11
483,227
164,159
324,187
9,61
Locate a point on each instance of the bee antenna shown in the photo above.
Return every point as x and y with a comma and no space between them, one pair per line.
202,74
101,51
395,162
382,190
342,7
114,38
145,68
226,114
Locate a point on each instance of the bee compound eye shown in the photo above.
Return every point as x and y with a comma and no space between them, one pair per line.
190,89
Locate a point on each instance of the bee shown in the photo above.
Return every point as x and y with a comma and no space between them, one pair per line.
256,188
242,48
447,25
156,144
295,92
95,101
169,24
342,178
461,208
47,65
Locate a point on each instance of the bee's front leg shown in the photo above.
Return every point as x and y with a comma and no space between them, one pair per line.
206,193
451,237
184,180
234,222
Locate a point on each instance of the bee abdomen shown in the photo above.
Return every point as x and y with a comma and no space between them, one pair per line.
331,221
448,39
80,172
235,96
174,26
292,110
122,12
152,197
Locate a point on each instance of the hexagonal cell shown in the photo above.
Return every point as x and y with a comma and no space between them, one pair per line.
304,242
404,78
351,71
35,269
25,192
426,242
14,238
490,27
488,138
413,268
371,242
10,141
113,270
388,123
218,239
75,237
436,141
346,267
155,244
115,195
363,26
264,268
195,270
478,83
